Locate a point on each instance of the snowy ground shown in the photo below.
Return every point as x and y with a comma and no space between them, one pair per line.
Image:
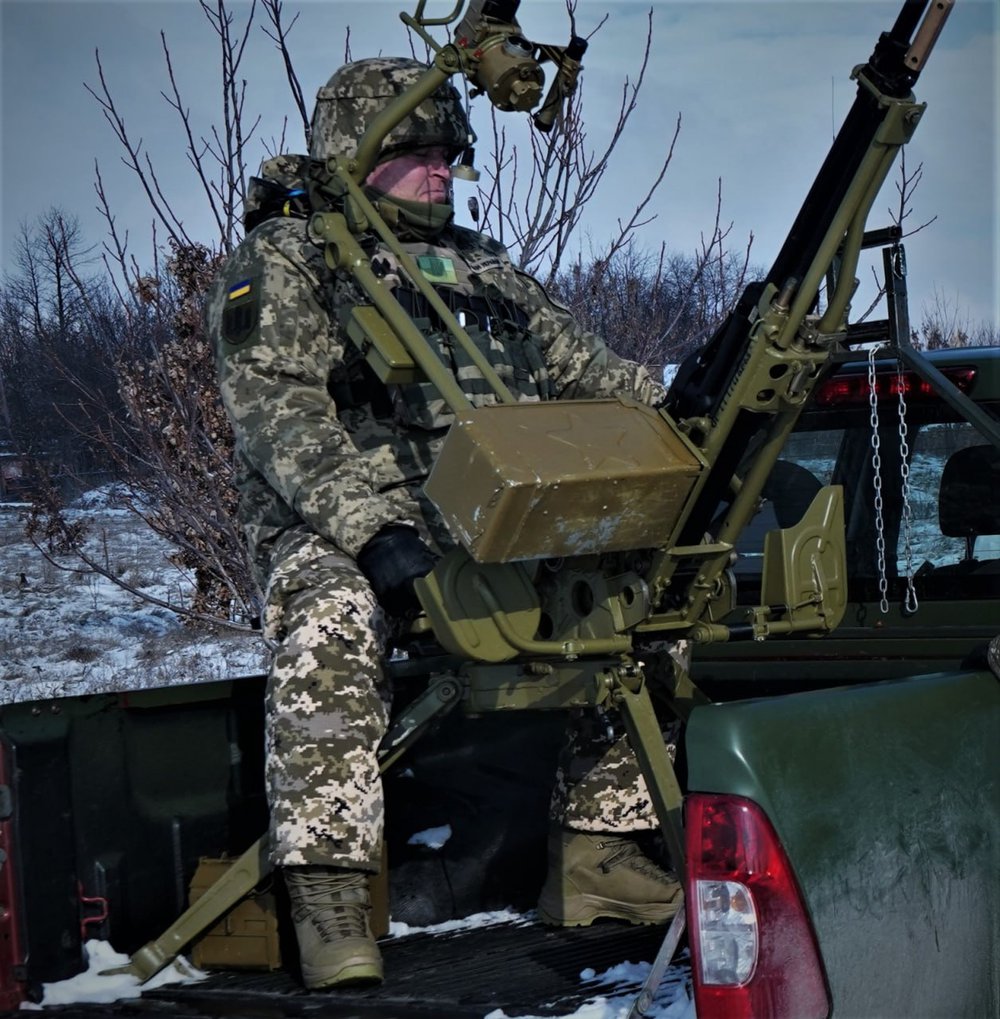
65,633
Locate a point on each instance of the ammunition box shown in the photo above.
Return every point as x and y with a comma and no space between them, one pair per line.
246,937
562,478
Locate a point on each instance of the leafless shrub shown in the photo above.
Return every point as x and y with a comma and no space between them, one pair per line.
657,308
944,324
536,206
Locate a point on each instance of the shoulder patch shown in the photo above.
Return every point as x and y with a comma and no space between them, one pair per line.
241,313
483,261
241,289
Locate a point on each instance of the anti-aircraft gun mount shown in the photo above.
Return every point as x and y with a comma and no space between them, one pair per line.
593,535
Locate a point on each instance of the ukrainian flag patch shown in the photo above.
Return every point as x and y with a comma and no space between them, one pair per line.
241,312
240,289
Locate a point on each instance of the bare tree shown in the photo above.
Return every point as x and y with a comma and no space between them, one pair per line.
57,332
173,446
535,208
218,158
944,324
656,308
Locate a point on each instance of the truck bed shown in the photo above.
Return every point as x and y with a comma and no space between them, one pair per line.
116,797
466,974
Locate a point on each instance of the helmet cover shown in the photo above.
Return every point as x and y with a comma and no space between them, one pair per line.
359,91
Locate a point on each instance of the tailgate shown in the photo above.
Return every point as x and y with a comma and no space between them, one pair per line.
885,797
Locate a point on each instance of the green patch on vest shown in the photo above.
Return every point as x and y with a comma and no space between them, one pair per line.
436,269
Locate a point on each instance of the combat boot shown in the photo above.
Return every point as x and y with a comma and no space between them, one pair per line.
330,910
594,876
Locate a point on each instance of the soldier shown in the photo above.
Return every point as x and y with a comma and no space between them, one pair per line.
331,465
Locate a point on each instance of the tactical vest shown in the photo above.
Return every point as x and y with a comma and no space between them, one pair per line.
462,275
497,326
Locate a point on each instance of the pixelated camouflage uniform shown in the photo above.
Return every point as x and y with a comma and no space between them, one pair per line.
327,456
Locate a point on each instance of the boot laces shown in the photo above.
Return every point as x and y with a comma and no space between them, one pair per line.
336,905
627,853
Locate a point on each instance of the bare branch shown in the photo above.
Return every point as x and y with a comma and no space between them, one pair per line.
135,154
279,36
538,217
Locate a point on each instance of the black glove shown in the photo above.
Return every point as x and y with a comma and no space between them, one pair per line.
392,560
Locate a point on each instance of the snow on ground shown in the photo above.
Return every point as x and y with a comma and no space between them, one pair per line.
92,987
65,633
615,991
432,838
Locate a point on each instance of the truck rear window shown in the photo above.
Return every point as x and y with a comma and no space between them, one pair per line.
954,504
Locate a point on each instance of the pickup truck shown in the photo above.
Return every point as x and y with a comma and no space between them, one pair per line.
831,692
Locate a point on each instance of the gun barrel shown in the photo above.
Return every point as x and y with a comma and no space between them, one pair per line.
930,29
887,69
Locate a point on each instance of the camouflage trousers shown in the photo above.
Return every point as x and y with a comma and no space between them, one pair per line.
327,709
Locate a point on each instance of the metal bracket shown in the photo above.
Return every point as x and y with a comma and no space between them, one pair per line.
441,695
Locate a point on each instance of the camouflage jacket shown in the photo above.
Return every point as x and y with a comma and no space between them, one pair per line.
319,439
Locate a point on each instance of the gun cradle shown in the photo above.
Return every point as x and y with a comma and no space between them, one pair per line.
547,500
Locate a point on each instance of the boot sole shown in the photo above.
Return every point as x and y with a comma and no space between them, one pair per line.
351,974
582,910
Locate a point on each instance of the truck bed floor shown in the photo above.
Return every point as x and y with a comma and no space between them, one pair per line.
525,970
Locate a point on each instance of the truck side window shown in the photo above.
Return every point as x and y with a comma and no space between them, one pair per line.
806,464
954,501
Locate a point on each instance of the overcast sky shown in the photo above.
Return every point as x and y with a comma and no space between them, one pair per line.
760,87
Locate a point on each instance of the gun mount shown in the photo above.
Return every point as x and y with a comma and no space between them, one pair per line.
667,498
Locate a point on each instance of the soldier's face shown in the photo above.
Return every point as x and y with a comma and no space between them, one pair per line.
423,175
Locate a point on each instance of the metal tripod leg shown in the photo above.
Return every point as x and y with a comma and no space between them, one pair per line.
239,880
632,699
646,740
644,1000
441,695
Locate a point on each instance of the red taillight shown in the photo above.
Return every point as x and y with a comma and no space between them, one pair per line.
13,990
845,390
753,948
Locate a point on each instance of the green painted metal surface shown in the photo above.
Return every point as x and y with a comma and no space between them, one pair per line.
887,800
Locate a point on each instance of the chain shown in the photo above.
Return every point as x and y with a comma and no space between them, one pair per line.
883,581
911,603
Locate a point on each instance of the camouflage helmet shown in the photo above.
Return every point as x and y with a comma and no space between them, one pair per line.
357,92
